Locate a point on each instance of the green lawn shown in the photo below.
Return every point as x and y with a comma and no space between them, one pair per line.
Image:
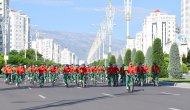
175,80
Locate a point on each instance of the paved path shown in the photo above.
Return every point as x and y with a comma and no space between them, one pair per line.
59,97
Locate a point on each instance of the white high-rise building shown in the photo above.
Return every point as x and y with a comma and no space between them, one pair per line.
56,53
185,21
66,56
4,4
44,47
47,51
139,41
159,25
19,31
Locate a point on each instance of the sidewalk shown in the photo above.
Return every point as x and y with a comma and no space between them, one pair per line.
179,85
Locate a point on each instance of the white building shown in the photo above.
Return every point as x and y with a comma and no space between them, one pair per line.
76,60
185,21
44,47
130,43
81,62
56,53
47,49
19,31
4,4
139,41
159,25
66,56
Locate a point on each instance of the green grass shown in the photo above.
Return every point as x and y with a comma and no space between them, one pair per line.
175,80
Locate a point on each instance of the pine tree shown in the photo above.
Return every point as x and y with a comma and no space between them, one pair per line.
119,61
133,55
174,67
127,57
139,58
158,57
148,58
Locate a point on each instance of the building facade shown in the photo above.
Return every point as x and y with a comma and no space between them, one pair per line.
185,21
44,47
19,31
4,5
130,43
139,41
159,25
56,53
66,56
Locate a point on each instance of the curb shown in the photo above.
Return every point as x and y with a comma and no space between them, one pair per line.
182,85
179,85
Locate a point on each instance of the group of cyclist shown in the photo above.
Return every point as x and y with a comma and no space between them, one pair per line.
82,75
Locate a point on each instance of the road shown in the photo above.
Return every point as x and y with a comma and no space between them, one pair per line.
59,97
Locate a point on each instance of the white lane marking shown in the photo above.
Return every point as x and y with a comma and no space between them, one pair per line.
42,96
173,109
79,87
107,94
167,93
29,88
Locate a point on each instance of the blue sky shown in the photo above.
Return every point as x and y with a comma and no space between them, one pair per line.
83,16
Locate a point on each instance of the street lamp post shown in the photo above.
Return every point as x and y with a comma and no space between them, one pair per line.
128,11
110,12
36,52
4,26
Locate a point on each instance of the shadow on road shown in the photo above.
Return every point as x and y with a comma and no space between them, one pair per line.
65,103
73,102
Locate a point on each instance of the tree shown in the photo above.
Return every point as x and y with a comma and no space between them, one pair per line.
119,61
174,67
133,55
2,62
158,57
188,57
139,58
184,68
127,57
148,58
184,59
112,60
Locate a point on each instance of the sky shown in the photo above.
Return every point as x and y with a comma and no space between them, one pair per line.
84,16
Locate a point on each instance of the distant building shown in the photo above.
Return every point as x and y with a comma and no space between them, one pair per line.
56,53
139,41
130,43
4,4
66,56
159,25
44,47
185,21
19,31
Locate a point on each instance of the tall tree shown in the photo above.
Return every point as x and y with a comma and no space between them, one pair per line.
184,59
112,60
133,55
174,67
127,57
188,57
119,61
148,58
139,57
158,56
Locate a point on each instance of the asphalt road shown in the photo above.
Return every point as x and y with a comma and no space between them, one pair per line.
59,97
